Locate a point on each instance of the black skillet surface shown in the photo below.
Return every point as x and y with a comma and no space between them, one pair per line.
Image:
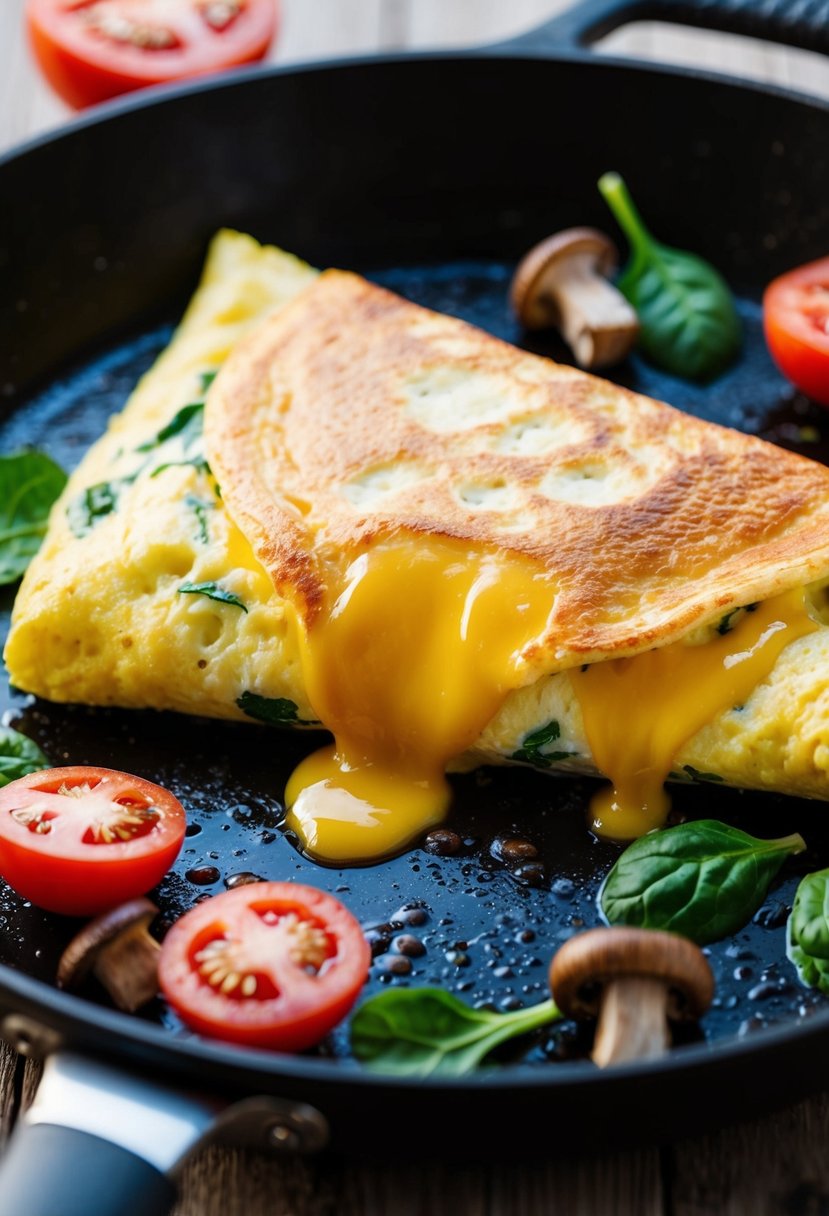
431,174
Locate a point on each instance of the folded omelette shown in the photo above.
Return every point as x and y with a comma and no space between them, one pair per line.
324,504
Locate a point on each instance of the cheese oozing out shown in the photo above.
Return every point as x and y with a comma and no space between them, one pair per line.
414,652
638,712
416,648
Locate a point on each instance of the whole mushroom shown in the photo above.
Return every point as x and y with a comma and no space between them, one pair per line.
636,982
564,282
119,951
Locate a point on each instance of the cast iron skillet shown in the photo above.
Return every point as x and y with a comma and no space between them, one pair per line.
432,173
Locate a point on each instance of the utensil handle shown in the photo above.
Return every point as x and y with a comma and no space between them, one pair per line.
791,22
59,1171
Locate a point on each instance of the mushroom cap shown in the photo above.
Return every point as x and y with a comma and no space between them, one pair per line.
533,284
585,964
79,957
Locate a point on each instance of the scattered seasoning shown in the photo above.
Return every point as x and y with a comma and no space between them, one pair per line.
409,945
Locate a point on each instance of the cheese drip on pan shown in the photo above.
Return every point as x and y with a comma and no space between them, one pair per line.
638,712
414,653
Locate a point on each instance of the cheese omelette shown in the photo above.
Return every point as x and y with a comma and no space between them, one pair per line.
444,549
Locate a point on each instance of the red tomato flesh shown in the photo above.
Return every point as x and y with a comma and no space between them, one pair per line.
90,50
796,322
81,840
271,964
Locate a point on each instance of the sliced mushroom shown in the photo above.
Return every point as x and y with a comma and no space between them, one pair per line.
563,282
119,951
635,981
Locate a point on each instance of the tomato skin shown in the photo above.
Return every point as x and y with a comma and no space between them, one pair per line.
297,1011
59,870
796,324
85,69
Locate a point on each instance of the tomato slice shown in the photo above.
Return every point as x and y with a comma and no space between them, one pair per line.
90,50
272,964
81,840
796,321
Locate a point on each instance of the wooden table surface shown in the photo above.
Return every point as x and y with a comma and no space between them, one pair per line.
774,1167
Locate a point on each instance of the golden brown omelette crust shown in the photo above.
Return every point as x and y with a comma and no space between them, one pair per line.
353,415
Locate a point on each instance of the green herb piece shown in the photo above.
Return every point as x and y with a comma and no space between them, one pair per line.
29,484
276,711
198,463
689,321
427,1032
696,775
807,934
188,423
213,592
94,503
19,755
207,379
704,880
531,750
200,508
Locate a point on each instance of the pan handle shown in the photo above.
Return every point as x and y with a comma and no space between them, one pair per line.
60,1171
100,1140
790,22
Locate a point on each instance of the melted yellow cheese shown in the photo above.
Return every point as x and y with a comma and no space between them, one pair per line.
638,712
414,653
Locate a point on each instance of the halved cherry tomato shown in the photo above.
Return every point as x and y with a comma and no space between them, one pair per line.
90,50
796,321
272,964
81,840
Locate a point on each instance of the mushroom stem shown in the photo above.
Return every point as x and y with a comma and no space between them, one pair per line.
633,1022
128,968
596,321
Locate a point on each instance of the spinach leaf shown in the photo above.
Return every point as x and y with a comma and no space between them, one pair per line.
532,751
94,503
213,592
198,463
426,1032
807,935
276,711
19,755
29,484
696,775
704,880
689,321
207,379
188,423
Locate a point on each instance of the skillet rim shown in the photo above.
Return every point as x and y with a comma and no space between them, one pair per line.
62,1012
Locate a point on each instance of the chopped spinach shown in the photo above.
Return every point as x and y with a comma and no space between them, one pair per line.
19,755
200,507
725,625
207,379
532,751
30,481
198,463
187,423
696,775
276,711
94,504
426,1032
213,592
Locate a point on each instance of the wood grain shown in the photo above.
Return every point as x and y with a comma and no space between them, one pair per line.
775,1167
